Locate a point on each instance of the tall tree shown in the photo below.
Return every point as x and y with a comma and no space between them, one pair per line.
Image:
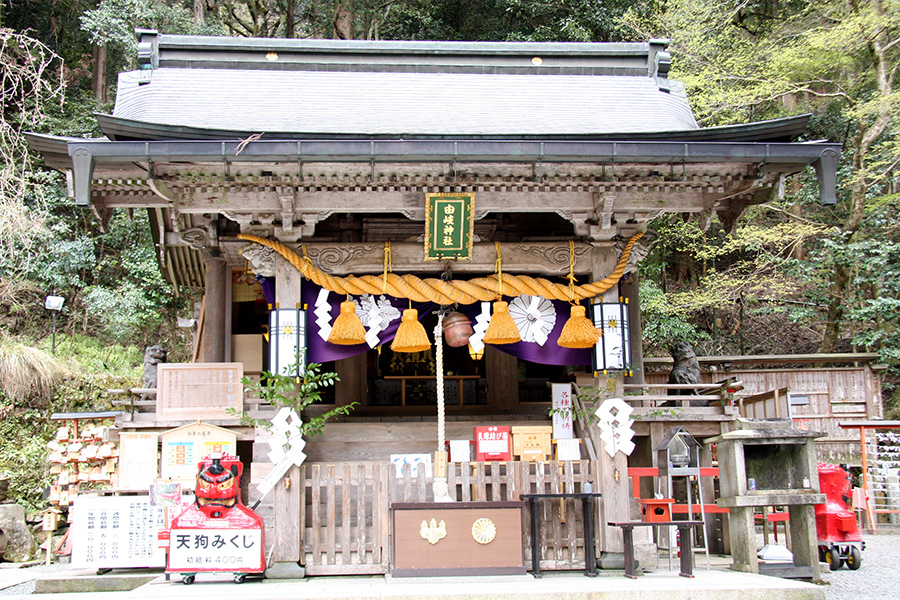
30,78
748,59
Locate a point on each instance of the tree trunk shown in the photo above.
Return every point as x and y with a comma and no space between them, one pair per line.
289,20
869,132
342,24
98,74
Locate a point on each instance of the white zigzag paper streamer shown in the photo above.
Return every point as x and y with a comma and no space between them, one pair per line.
615,423
323,314
286,432
376,315
480,326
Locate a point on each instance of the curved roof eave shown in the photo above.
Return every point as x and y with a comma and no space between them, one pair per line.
786,129
85,154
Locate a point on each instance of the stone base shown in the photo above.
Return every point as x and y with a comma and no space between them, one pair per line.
87,580
613,561
285,570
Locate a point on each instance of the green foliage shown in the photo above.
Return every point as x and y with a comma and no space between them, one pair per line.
114,21
24,434
297,393
511,20
664,322
27,71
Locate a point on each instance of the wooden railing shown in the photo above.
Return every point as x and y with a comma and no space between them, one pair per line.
692,398
341,511
773,404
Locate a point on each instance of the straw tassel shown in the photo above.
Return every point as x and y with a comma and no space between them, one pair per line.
578,332
502,328
347,330
410,336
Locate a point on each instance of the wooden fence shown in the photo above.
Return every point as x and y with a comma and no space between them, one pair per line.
343,510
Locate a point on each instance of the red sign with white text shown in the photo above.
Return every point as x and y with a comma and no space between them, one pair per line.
492,443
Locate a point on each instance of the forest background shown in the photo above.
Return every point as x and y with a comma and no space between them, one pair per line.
791,277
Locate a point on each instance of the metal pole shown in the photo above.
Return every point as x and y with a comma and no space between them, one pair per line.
53,313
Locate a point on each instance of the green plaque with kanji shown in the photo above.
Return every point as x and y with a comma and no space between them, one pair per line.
449,226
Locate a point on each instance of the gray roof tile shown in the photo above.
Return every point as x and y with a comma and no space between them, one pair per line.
398,103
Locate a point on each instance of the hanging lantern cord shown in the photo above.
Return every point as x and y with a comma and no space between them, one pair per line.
388,266
571,275
499,272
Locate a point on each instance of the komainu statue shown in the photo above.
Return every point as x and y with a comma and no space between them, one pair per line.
685,370
153,355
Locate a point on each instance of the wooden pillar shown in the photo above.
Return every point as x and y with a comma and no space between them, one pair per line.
630,288
286,548
502,372
613,482
214,319
353,383
287,283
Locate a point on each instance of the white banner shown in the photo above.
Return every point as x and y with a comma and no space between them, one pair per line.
562,411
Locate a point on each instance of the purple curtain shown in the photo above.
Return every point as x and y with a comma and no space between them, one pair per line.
550,353
319,350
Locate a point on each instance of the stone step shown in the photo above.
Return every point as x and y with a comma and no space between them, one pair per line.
74,581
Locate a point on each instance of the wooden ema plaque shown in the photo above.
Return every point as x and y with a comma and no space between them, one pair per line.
457,538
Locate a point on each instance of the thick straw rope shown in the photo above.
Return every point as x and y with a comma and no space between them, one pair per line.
481,289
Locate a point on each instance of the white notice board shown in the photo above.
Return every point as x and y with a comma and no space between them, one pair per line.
138,461
116,532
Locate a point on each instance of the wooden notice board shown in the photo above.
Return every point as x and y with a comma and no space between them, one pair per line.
184,447
466,538
187,391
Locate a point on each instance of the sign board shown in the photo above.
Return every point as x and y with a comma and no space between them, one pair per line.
460,451
398,460
492,443
116,532
561,394
199,391
138,460
184,447
449,226
165,493
568,449
798,399
216,550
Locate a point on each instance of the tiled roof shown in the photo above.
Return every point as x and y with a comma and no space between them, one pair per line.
390,103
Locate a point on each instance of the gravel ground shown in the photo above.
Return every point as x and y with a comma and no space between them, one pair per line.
28,586
878,576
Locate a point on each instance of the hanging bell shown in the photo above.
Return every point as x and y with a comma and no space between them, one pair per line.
457,329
